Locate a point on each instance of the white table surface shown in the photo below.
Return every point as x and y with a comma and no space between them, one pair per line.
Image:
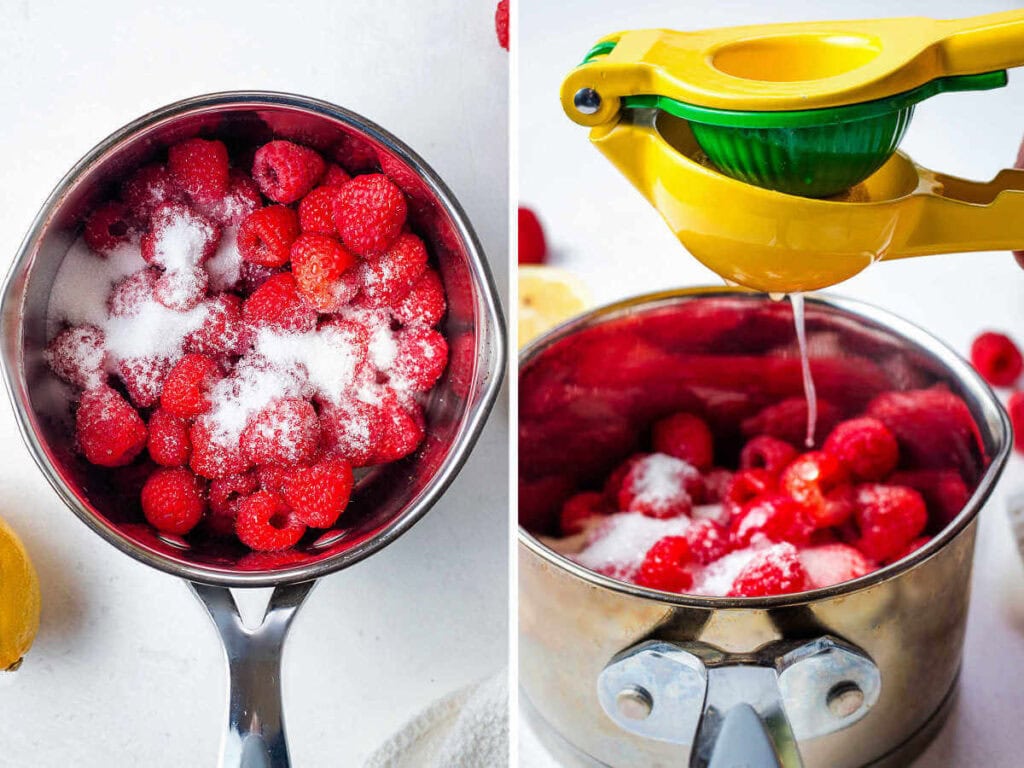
127,669
601,228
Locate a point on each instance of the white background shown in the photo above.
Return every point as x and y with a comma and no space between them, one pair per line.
601,228
127,669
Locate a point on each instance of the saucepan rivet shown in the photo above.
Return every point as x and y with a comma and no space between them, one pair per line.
587,101
845,698
634,703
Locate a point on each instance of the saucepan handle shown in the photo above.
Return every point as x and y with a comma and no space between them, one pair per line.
255,736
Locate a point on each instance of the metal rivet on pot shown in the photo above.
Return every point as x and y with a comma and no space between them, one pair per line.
634,703
845,698
587,101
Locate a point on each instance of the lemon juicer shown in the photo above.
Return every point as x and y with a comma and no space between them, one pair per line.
796,126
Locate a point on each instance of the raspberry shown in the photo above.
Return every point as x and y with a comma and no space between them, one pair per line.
369,214
334,176
270,561
242,198
200,167
422,358
746,485
787,420
285,171
944,492
109,431
355,154
889,518
173,500
830,564
272,477
660,486
179,238
865,446
146,189
318,494
772,571
912,547
252,276
1015,408
144,377
353,430
130,293
405,178
181,290
997,359
77,355
716,483
767,453
186,392
226,495
820,484
265,523
316,211
402,431
107,227
685,437
266,235
665,565
708,541
501,23
168,439
318,262
576,510
285,432
222,330
388,278
212,456
425,302
277,304
773,516
533,248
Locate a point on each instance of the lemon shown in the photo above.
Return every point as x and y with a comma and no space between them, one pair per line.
19,600
547,297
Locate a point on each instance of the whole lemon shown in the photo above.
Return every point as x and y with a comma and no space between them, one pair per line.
19,600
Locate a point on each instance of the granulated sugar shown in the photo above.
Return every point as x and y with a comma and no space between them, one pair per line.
716,579
225,267
154,331
327,357
180,242
252,386
621,541
83,282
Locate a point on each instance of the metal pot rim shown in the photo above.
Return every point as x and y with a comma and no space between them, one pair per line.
993,421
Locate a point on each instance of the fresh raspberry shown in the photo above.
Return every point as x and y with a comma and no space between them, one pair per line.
285,171
168,439
252,276
242,198
745,486
1015,409
130,293
821,485
334,176
402,432
285,432
405,178
107,227
421,359
716,484
944,492
221,332
144,377
146,189
775,570
226,495
996,358
352,430
660,486
369,214
212,456
77,355
173,500
865,446
685,437
775,517
425,302
319,493
316,211
179,238
318,262
767,453
109,431
186,392
388,278
501,23
708,541
181,290
912,547
200,167
889,518
266,235
355,154
533,248
576,510
787,420
666,565
265,523
272,477
277,304
830,564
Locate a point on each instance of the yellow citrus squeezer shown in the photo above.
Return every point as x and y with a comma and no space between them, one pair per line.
771,151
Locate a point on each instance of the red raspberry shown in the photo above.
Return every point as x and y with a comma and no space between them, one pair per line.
997,359
319,493
181,290
265,523
912,547
403,431
685,437
266,235
747,485
665,566
212,455
272,477
356,154
1015,408
179,238
252,276
716,484
173,500
222,330
425,302
76,355
388,278
865,446
277,304
889,518
226,495
768,453
144,377
271,561
501,23
130,293
186,392
820,484
168,439
316,211
242,198
787,420
533,248
944,492
285,432
422,358
773,516
200,167
109,431
352,430
334,176
405,178
369,214
286,171
576,510
107,227
708,541
146,189
772,571
833,564
318,262
660,486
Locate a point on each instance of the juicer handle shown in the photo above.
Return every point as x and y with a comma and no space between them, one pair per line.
982,43
255,735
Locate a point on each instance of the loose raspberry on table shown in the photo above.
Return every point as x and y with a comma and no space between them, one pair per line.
266,235
173,500
146,189
533,248
285,432
108,430
996,358
144,378
388,278
318,262
77,355
666,565
830,564
685,437
319,493
865,447
242,198
131,293
1015,408
277,304
222,330
768,453
186,392
501,23
316,210
660,486
286,171
425,303
888,517
422,358
369,214
200,167
821,485
773,516
265,523
168,439
107,227
214,456
578,509
179,238
772,571
708,541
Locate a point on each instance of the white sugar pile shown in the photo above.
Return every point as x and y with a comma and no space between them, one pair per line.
620,542
225,266
154,331
660,479
716,579
83,282
180,243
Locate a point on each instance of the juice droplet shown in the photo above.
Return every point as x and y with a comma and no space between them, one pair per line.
797,301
